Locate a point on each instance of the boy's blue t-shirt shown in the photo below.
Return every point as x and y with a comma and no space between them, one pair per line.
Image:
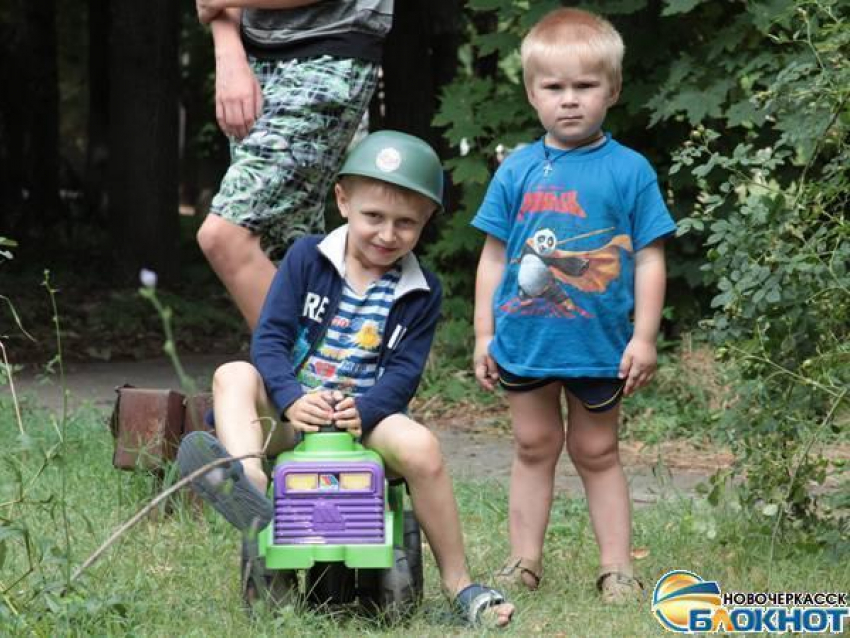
572,222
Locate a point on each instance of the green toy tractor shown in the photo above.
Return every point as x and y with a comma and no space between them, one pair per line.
337,517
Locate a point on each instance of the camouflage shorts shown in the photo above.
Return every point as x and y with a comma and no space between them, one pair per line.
280,174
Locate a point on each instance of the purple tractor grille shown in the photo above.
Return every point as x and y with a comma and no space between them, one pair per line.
320,503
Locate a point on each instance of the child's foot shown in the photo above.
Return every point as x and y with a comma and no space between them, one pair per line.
617,585
520,571
225,487
480,605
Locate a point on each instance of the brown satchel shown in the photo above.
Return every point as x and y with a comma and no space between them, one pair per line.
147,425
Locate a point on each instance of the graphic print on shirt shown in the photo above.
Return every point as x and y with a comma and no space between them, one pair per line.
334,367
546,272
368,336
346,356
550,199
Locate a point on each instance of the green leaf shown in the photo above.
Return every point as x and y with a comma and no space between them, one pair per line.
537,10
619,7
744,112
491,5
700,103
502,43
469,169
672,7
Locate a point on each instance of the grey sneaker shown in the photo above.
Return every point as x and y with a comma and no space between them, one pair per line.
225,487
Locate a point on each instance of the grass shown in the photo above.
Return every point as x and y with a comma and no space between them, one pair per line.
177,574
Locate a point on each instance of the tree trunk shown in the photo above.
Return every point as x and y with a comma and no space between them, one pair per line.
420,58
97,150
38,118
408,85
11,139
143,151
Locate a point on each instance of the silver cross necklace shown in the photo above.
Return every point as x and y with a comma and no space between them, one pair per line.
547,164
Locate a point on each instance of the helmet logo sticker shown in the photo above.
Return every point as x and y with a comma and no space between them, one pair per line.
388,159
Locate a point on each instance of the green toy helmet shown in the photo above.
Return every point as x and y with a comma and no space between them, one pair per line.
400,159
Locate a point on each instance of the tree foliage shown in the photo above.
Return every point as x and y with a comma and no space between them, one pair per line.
773,212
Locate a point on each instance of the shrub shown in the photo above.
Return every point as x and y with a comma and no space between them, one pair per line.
772,210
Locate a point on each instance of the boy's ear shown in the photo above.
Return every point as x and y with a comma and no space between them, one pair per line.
529,94
615,94
341,200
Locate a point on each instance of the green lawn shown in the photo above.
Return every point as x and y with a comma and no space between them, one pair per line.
177,574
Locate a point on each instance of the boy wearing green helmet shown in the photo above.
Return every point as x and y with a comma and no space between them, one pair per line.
342,339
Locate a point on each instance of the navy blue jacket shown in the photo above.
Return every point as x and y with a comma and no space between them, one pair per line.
302,301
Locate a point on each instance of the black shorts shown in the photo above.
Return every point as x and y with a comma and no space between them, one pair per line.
597,394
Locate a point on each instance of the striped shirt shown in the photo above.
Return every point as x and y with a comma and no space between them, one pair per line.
346,359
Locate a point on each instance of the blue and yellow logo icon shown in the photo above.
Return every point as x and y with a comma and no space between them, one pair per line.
677,593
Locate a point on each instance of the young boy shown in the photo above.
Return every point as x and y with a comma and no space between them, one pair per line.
575,224
343,338
293,79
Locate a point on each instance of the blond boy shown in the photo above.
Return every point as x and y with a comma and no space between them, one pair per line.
342,339
575,225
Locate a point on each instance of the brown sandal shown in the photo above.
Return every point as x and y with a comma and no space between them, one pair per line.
617,588
515,570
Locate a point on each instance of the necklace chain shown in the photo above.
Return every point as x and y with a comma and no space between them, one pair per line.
547,166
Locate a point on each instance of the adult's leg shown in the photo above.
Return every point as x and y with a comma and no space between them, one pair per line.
412,451
244,417
240,263
538,440
592,443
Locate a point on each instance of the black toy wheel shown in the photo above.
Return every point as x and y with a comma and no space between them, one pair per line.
395,593
413,550
272,588
330,584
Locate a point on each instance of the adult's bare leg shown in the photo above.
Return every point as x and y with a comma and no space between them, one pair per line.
240,263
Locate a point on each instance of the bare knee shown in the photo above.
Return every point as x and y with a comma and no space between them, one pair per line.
539,446
210,235
421,457
593,456
222,242
233,375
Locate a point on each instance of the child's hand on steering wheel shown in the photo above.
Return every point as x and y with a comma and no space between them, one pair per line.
310,411
345,415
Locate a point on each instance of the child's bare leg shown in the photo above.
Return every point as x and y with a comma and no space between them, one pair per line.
412,451
239,399
593,447
539,439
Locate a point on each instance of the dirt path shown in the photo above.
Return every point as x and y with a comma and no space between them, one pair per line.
476,444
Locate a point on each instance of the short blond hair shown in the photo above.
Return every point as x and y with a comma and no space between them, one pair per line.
587,36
